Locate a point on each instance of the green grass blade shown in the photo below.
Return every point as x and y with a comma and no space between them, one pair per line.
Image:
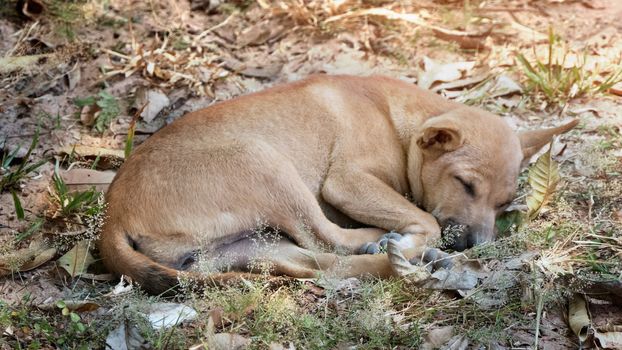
19,210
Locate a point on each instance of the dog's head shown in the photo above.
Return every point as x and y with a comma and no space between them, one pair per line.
463,168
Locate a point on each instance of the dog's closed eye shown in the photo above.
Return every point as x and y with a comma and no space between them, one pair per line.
469,188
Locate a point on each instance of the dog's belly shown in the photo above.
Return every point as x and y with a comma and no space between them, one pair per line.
336,216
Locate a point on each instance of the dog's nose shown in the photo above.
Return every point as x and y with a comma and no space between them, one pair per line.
472,241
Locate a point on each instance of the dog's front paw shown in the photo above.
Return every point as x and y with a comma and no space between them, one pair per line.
380,246
435,259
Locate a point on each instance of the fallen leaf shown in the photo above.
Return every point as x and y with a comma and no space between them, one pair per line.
578,317
155,101
227,341
88,114
458,342
72,305
37,254
260,33
77,260
436,72
504,85
123,287
466,41
17,63
106,158
609,340
165,315
267,71
125,337
543,179
73,77
461,83
435,338
84,179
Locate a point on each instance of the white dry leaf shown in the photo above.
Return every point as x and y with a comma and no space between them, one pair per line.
609,340
125,338
438,72
165,315
122,287
435,338
461,83
224,341
503,86
155,101
84,179
458,342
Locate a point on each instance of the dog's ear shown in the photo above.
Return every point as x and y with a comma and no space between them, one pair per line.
532,141
440,135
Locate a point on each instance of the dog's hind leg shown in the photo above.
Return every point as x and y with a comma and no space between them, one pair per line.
283,257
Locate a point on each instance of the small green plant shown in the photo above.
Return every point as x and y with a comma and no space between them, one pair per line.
556,83
66,15
75,323
11,178
74,203
107,105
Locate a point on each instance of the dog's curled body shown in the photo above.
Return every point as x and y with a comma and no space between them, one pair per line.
303,158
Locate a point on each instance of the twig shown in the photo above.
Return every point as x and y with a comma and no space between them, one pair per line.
207,31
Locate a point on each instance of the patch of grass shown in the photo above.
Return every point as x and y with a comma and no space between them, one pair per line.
557,84
364,319
75,204
30,328
66,16
11,178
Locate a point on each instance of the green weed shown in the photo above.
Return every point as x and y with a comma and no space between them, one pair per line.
11,179
557,84
74,203
108,109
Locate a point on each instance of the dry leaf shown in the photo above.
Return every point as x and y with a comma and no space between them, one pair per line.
609,340
37,254
260,33
227,341
12,64
88,114
165,315
578,317
155,101
73,305
78,259
466,41
435,338
126,337
84,179
437,72
106,158
504,85
543,179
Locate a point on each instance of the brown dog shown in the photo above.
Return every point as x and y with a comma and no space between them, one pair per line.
311,158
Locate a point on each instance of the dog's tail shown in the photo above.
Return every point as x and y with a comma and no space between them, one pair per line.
119,256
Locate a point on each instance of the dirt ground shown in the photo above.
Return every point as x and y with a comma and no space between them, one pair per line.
82,80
